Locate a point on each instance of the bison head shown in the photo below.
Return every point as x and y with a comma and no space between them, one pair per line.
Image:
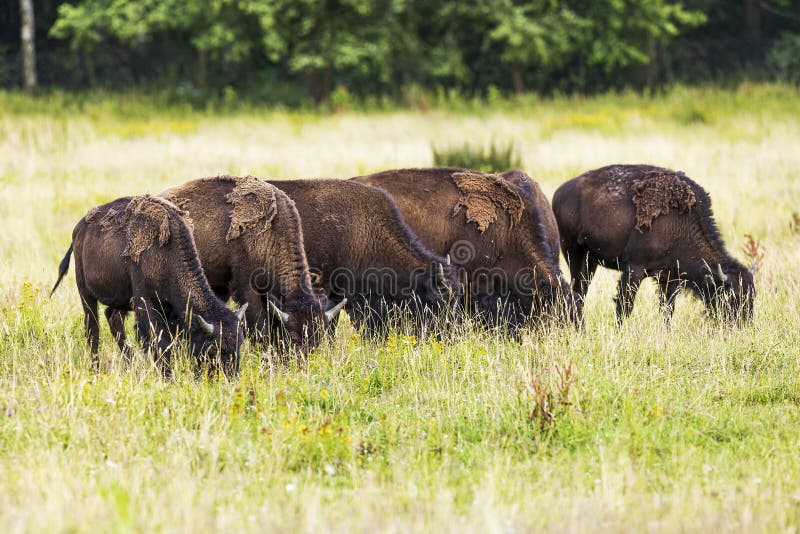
218,339
303,321
729,292
436,293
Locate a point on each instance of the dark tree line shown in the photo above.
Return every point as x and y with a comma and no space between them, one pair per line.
292,51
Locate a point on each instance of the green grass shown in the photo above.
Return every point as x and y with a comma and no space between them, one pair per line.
692,427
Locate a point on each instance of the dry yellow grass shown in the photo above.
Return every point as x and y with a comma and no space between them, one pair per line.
689,428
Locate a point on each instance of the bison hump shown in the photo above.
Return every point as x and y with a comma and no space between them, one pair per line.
254,207
483,195
655,193
146,221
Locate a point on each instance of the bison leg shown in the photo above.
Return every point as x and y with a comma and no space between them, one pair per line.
152,329
116,322
89,304
369,315
257,324
92,325
628,287
669,292
582,266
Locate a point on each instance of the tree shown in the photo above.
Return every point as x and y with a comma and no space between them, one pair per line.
27,35
534,34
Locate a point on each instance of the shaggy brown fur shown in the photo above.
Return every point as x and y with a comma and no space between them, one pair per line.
508,265
649,222
656,193
483,195
146,221
365,252
250,241
138,253
254,207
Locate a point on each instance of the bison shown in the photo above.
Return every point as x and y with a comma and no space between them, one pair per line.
498,230
363,251
250,241
137,253
650,221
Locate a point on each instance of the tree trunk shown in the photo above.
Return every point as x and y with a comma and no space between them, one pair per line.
319,85
752,24
27,35
516,78
653,66
200,74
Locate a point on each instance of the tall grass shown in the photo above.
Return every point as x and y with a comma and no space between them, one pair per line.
661,428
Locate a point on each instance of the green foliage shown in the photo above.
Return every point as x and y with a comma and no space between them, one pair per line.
496,157
784,58
369,46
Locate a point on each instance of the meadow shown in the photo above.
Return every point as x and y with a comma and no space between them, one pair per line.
646,427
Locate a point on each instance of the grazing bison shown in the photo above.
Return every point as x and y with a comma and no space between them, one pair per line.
649,221
250,241
496,228
137,253
357,241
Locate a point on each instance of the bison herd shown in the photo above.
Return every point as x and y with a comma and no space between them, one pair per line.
425,248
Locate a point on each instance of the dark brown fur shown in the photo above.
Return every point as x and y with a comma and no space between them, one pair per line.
506,255
649,221
137,253
358,242
251,244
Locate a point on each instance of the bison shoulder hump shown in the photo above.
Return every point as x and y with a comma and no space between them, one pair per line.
483,195
655,193
254,207
146,220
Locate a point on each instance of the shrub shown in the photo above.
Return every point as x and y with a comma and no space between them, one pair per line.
497,157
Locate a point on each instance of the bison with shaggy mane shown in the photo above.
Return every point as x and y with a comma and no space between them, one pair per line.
498,231
650,221
250,241
137,254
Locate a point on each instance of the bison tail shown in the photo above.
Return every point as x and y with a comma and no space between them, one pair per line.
63,267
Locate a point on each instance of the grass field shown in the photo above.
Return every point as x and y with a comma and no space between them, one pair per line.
692,427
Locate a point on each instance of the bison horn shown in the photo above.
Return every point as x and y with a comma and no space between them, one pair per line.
207,327
447,259
721,274
330,315
241,310
280,314
441,279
